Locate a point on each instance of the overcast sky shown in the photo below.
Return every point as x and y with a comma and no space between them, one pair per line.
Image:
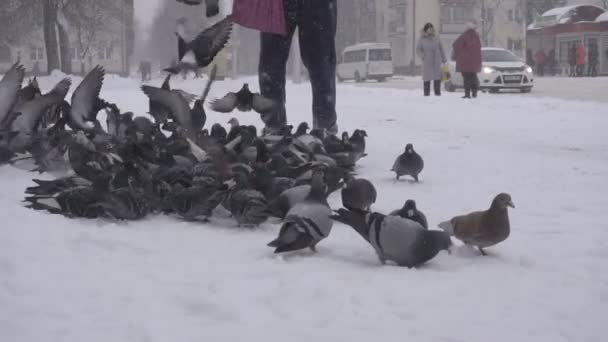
144,10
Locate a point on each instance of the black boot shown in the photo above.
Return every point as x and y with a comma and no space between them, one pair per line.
427,88
437,87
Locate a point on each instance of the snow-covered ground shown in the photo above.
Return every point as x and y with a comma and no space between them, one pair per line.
165,280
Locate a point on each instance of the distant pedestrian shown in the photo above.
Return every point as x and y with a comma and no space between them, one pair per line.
529,58
145,69
551,61
467,53
572,60
593,57
581,56
431,52
540,59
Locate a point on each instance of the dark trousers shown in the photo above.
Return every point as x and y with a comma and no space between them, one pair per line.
540,69
572,70
316,23
436,87
580,70
471,84
592,70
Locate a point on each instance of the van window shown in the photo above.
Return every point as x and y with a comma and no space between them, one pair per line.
354,56
380,55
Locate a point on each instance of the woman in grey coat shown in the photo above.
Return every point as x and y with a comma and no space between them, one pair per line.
429,49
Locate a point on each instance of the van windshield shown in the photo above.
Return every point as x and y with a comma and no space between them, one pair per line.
380,54
498,56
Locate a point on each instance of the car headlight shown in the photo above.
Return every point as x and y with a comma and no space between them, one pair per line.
529,69
488,70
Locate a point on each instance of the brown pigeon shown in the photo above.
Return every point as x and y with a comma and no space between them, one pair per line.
482,228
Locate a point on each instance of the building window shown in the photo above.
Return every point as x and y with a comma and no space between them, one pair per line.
105,53
36,54
397,23
454,15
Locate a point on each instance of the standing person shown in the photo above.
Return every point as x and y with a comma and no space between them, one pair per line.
593,60
551,62
581,55
572,60
316,23
467,53
429,49
541,59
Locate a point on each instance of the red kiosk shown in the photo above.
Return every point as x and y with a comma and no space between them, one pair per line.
559,31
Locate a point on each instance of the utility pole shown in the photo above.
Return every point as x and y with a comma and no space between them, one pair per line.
413,61
484,38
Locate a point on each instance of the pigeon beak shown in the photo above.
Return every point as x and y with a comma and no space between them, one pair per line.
510,204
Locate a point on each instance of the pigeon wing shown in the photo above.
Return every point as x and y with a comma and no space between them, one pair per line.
211,41
226,104
85,97
212,75
9,86
171,100
262,104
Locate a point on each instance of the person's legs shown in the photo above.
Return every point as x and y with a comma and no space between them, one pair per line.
272,67
317,32
437,87
474,84
427,88
466,78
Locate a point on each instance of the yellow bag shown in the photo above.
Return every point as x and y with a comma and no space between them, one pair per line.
446,72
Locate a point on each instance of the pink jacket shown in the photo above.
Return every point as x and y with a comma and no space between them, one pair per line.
262,15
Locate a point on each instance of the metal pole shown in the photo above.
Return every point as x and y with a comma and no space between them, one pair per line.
413,61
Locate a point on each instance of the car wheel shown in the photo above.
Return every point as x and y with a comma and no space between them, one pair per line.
526,90
357,77
449,87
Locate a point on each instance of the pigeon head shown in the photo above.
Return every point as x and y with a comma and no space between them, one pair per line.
502,201
234,123
246,87
302,128
344,136
409,148
410,207
440,240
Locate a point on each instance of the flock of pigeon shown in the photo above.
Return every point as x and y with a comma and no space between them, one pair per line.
175,165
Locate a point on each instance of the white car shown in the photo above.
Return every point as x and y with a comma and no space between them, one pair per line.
366,61
501,69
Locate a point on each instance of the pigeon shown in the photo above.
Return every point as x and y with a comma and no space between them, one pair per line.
396,239
243,100
73,202
308,222
174,101
124,204
358,194
196,202
482,228
85,100
248,206
201,51
9,88
409,211
31,113
280,206
409,163
212,6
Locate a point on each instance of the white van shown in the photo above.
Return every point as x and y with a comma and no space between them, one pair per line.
366,61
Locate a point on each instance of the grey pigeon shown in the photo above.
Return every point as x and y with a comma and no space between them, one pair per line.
400,240
212,6
175,102
358,194
409,211
248,206
73,202
243,100
409,163
32,111
482,228
124,204
9,87
197,202
308,222
201,51
85,100
280,206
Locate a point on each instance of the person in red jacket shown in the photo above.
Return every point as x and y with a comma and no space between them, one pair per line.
541,59
581,56
467,53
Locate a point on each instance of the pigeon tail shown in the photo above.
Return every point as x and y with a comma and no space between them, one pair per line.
447,227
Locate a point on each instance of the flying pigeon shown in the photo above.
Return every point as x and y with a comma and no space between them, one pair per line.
9,88
243,100
482,228
201,51
85,100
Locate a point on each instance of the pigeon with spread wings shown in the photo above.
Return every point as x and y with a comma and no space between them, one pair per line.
243,100
201,51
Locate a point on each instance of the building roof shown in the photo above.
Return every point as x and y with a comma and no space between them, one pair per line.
563,15
602,17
